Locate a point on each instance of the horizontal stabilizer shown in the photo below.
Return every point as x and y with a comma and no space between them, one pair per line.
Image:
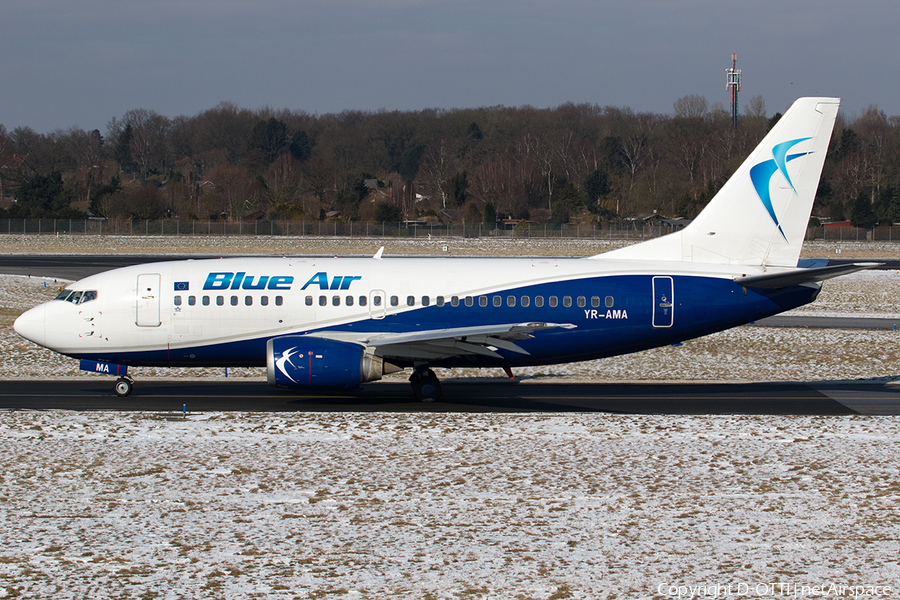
800,276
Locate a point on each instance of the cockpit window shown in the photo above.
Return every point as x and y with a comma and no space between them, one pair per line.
77,297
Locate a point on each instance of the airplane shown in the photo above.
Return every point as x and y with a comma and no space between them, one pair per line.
336,323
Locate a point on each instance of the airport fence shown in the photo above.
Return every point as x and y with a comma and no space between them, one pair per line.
177,227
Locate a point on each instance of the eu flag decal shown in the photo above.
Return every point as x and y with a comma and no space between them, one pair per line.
181,286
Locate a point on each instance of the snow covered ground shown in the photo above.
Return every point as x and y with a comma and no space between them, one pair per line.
435,245
244,505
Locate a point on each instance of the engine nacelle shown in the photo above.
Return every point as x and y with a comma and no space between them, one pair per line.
304,362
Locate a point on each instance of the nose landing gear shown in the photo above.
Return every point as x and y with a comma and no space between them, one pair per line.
124,385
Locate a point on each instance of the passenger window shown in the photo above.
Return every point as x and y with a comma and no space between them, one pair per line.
454,301
323,301
192,300
395,301
482,301
205,300
426,300
553,301
567,301
248,300
582,302
349,300
279,300
410,300
376,300
595,301
539,301
234,300
220,300
264,300
335,300
363,300
470,301
609,302
177,300
309,300
498,301
440,301
510,301
525,301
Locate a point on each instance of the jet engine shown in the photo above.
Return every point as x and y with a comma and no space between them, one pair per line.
304,362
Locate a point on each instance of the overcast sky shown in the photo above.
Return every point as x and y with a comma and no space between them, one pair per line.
67,63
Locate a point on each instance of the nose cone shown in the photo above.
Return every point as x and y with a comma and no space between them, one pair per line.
31,325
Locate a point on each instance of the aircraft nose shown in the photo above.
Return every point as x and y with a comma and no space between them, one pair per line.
31,325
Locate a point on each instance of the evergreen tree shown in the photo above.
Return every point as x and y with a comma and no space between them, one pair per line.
300,147
268,139
596,188
459,188
490,214
44,196
122,150
387,213
862,214
409,162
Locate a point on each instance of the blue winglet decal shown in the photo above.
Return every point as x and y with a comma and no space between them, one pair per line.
761,175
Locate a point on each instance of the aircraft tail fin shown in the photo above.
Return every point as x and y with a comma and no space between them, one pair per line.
759,217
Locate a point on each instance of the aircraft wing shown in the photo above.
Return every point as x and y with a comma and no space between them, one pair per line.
435,344
783,279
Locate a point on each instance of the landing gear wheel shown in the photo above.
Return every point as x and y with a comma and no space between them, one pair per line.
426,386
123,386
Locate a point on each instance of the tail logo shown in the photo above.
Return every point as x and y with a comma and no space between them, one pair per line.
761,175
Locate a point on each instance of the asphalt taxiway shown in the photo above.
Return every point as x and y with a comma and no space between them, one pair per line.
173,396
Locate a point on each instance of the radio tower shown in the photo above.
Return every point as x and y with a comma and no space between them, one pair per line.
733,85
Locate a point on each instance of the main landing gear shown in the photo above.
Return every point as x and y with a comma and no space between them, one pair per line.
124,385
425,384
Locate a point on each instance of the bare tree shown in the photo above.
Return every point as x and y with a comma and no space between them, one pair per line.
691,106
756,108
149,134
439,165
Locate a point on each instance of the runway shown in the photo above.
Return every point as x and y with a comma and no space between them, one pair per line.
171,397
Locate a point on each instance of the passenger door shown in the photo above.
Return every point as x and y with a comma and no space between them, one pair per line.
147,300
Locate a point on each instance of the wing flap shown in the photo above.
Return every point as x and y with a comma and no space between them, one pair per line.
435,344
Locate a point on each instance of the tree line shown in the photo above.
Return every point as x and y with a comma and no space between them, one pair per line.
572,163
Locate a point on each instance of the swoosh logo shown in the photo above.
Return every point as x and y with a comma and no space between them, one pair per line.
286,358
761,175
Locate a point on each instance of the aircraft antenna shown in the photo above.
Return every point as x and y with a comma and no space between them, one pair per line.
733,85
